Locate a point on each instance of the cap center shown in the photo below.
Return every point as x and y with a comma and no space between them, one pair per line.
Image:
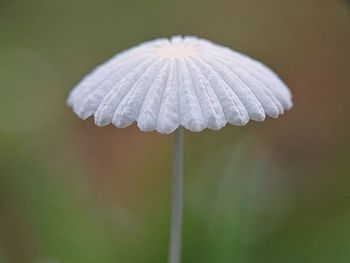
176,51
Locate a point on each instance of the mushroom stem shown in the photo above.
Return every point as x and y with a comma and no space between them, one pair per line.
176,221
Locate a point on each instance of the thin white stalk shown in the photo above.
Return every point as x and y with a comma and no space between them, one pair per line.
176,220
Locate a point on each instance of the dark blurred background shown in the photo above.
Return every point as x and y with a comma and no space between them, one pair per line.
277,191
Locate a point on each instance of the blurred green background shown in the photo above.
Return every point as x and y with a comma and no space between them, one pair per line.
277,191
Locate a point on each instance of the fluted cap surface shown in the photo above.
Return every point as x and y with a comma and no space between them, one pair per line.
182,81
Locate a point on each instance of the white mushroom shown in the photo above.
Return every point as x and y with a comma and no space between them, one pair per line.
167,84
183,81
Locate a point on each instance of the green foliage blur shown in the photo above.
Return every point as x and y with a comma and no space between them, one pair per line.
70,192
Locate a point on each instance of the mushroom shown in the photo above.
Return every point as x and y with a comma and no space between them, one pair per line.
166,85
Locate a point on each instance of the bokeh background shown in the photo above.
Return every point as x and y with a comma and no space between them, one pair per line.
277,191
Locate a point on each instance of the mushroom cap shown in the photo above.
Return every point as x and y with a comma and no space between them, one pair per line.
182,81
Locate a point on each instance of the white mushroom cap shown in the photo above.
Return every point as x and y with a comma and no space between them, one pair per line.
187,81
